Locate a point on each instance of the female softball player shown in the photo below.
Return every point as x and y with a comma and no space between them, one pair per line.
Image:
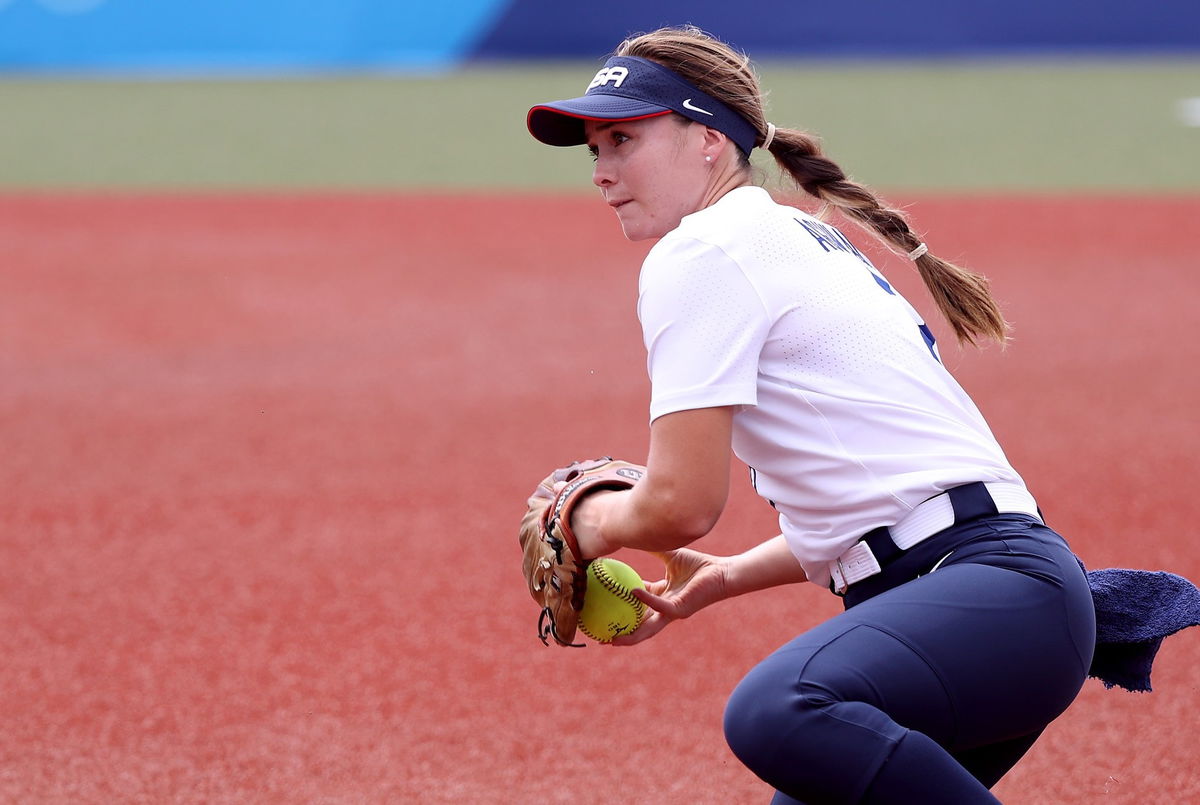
969,624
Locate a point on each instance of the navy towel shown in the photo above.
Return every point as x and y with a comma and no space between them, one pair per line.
1135,610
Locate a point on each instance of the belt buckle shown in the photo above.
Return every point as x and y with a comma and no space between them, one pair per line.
853,566
837,579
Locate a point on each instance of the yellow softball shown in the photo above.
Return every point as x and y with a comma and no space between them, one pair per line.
609,606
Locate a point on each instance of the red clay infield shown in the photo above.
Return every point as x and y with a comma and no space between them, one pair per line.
264,457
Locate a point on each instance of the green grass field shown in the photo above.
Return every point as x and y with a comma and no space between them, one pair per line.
1019,126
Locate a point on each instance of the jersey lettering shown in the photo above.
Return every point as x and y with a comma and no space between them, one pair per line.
879,280
609,75
930,341
831,239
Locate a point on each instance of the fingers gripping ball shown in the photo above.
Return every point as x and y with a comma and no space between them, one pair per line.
609,606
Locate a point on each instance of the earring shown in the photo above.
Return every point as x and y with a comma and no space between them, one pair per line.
708,159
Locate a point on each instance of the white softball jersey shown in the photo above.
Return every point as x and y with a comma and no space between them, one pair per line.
845,414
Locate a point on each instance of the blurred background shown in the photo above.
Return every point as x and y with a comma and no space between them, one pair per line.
928,94
294,313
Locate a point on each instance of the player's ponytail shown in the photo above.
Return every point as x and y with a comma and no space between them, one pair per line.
961,295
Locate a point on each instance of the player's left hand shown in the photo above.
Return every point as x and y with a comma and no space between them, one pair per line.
553,564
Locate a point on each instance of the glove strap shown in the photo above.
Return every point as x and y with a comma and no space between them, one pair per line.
546,628
558,515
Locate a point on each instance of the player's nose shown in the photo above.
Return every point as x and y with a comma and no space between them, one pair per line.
602,173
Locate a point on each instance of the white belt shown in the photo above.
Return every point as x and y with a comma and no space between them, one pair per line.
926,519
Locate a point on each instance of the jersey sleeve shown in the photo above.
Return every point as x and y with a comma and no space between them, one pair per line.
704,325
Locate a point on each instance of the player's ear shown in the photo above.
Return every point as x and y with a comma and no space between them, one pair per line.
712,143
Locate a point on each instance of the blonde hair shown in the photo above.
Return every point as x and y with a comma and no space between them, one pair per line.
962,296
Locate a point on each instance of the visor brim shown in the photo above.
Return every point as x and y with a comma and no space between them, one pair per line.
561,122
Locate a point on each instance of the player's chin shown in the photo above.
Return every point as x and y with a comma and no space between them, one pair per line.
637,227
631,231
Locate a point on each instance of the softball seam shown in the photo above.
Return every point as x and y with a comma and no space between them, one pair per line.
614,587
611,584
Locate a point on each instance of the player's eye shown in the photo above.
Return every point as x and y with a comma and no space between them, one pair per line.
612,137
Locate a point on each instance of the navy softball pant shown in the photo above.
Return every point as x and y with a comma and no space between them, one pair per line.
931,685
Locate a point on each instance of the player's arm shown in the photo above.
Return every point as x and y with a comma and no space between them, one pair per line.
679,499
767,565
695,580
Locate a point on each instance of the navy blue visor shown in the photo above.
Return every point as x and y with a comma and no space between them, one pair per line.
632,88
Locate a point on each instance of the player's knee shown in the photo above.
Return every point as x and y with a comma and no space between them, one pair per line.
802,737
762,709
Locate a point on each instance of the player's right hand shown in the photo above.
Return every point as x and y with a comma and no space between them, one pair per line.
693,581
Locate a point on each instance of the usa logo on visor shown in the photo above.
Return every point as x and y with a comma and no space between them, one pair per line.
633,88
614,75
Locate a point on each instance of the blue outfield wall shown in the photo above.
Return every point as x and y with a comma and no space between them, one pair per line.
281,35
551,28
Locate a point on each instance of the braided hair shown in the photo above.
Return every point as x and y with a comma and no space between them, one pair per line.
962,296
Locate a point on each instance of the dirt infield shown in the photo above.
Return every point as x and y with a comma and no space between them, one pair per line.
264,458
